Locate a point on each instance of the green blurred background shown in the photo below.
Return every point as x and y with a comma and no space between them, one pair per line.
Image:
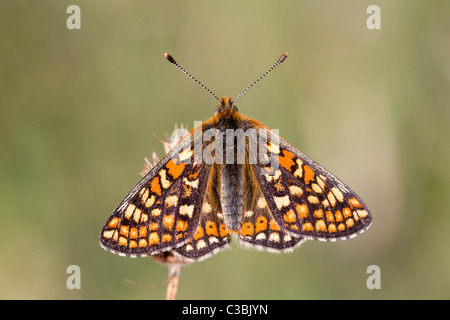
79,107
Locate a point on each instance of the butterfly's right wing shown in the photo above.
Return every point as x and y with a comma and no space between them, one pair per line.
306,199
259,229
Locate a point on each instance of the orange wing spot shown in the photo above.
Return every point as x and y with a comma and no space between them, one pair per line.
222,230
247,229
155,187
123,241
211,228
341,227
261,224
182,225
326,203
318,213
332,228
199,233
166,237
338,216
354,203
349,222
194,175
273,225
320,225
153,239
347,212
142,243
180,236
302,210
286,160
142,231
124,230
329,215
307,227
114,222
133,244
133,233
153,226
290,216
174,169
309,174
168,221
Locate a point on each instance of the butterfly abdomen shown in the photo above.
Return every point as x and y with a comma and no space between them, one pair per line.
232,195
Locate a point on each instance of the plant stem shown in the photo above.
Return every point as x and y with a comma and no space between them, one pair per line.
174,277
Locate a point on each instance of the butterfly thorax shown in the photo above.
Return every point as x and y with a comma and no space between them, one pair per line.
228,120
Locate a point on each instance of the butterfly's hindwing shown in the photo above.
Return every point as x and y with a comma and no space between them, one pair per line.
307,200
259,228
211,234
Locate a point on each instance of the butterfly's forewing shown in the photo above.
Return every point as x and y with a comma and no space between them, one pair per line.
259,228
163,210
307,200
211,234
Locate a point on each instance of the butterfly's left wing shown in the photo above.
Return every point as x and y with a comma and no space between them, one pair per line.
163,210
305,199
211,234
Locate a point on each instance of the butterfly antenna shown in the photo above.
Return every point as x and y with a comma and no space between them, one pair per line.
173,61
279,61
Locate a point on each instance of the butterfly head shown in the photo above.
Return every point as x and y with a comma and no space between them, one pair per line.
226,105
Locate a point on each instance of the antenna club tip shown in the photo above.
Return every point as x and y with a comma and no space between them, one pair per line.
283,57
169,58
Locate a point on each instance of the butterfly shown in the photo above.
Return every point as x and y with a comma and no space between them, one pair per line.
232,175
